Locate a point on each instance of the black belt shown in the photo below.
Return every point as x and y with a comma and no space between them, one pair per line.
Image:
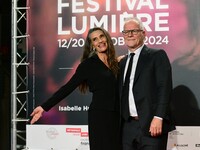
134,118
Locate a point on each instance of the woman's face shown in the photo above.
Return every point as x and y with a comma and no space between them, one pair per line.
99,41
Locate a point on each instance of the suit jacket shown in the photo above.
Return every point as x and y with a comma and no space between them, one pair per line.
152,87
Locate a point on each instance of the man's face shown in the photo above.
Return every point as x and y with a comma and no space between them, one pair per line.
133,35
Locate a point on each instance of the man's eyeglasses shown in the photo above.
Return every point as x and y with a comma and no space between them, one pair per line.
134,31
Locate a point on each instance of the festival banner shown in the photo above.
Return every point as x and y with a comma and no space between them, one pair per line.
58,29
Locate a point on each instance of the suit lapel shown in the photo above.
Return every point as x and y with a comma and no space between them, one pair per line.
143,59
122,68
123,63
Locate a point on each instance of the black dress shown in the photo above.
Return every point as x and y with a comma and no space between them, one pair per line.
103,114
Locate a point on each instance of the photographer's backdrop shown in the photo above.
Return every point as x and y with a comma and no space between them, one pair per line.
58,28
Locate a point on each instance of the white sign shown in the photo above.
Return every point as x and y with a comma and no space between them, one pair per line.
57,137
75,137
184,138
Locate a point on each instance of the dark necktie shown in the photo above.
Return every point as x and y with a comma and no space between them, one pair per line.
125,90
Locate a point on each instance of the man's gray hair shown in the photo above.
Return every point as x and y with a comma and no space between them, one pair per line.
135,19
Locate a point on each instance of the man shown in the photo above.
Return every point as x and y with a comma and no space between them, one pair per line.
145,93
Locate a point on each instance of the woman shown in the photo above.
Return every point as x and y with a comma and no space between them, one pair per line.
97,73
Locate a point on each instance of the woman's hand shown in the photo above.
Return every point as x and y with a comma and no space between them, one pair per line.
120,57
36,114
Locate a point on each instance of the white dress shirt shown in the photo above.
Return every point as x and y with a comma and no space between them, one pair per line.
132,107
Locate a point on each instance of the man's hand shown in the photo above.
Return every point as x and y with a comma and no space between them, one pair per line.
156,127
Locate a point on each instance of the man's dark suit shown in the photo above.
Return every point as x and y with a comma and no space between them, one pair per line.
152,87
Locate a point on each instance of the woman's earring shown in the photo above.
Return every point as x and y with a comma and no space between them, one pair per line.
92,49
